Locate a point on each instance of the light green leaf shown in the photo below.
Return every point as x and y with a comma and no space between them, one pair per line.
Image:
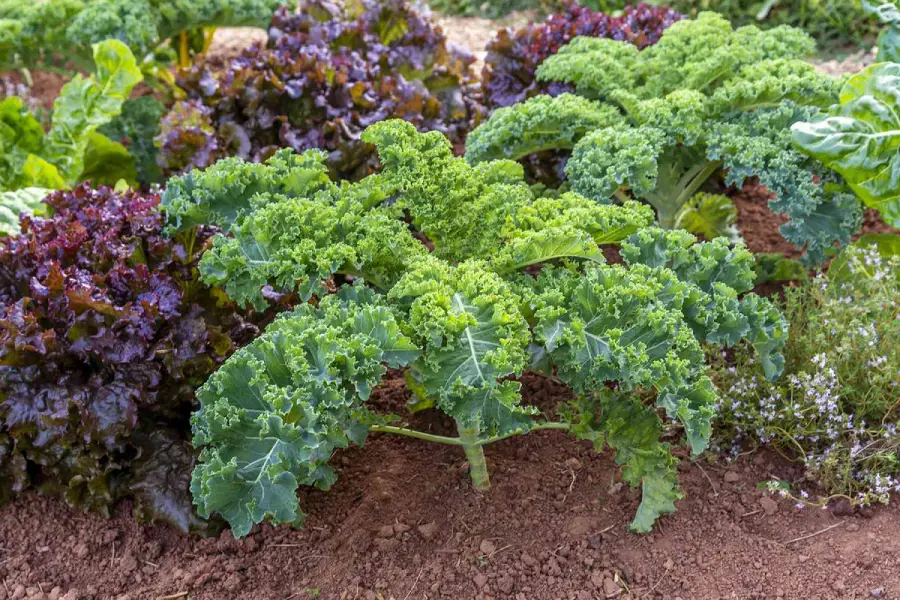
106,162
84,104
709,215
888,14
861,138
19,202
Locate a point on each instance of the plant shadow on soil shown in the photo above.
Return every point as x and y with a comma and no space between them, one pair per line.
403,522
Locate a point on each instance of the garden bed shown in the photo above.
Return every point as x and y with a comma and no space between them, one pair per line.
403,522
665,324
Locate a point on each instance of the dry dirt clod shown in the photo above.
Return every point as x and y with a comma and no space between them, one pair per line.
480,580
428,530
732,477
611,588
386,531
487,547
769,506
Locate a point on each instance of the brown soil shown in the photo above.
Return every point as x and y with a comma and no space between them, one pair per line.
759,225
403,523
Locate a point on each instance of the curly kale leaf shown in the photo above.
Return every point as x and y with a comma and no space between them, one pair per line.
541,123
633,431
705,104
758,144
720,272
627,326
296,244
271,417
467,319
860,138
222,194
488,210
54,32
695,54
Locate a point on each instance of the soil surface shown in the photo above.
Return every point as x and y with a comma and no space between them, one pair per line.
403,522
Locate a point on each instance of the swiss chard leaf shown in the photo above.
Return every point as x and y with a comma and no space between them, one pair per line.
860,138
85,104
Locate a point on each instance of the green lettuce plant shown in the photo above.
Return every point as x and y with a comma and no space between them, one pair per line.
509,282
706,104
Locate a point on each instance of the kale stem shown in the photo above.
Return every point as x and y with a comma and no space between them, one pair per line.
421,435
475,455
538,427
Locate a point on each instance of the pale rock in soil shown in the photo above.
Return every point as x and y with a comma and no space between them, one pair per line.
401,528
597,579
877,592
428,530
610,587
386,531
732,477
480,580
769,506
487,547
18,592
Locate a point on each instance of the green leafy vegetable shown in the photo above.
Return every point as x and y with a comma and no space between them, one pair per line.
13,205
860,138
888,14
72,149
465,318
706,104
55,32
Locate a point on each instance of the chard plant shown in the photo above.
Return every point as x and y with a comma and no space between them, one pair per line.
859,138
509,282
72,150
705,105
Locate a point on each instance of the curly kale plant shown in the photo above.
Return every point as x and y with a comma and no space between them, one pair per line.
860,138
105,332
328,73
465,319
72,150
513,57
56,32
706,102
